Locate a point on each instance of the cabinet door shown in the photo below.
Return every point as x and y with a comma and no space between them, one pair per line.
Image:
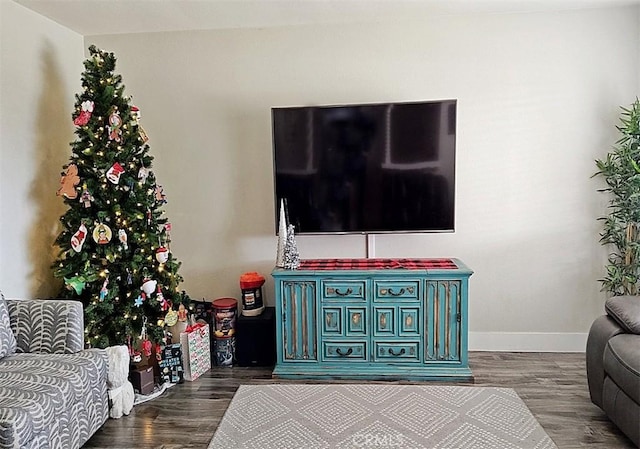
299,331
397,304
442,319
343,320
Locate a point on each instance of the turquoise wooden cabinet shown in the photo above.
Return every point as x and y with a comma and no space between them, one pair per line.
371,323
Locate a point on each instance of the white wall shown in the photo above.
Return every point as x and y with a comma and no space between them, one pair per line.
40,69
538,98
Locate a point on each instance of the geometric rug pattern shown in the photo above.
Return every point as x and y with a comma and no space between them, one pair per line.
292,416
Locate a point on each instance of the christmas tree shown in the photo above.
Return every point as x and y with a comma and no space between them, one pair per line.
115,245
291,254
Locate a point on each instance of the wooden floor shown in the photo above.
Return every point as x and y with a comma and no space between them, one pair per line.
553,386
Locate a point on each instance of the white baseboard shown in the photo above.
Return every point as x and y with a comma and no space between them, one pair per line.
527,341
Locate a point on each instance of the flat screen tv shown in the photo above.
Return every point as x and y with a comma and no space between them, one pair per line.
366,168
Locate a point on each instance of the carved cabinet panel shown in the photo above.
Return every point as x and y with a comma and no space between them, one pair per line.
298,320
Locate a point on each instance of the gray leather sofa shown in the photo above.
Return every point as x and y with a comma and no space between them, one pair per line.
53,392
613,364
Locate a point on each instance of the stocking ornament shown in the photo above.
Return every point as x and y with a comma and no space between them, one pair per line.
86,109
113,174
78,238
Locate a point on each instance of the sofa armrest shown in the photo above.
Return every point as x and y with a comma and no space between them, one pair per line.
47,326
625,310
602,330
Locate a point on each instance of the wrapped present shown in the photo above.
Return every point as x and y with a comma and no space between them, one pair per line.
142,380
196,350
171,369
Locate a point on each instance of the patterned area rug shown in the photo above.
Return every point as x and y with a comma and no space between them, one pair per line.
378,416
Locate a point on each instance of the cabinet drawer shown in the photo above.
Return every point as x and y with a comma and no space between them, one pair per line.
337,350
397,290
406,351
343,290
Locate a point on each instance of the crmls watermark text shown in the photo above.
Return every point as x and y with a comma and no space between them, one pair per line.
377,440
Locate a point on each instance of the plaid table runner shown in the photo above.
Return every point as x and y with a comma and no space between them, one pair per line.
377,264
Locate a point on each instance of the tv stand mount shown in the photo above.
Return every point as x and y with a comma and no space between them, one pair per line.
371,246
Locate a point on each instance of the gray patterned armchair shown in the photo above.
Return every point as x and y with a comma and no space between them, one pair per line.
53,393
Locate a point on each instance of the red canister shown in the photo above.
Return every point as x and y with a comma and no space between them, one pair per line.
225,311
252,301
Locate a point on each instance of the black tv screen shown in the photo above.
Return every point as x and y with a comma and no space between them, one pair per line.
367,168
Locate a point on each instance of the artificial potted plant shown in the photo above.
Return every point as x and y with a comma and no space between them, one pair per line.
621,172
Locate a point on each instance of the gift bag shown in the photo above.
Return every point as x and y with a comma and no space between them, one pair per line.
171,369
196,351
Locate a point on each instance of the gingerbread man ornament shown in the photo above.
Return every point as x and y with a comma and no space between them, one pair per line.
68,183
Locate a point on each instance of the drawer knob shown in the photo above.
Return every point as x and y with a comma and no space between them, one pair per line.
344,354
